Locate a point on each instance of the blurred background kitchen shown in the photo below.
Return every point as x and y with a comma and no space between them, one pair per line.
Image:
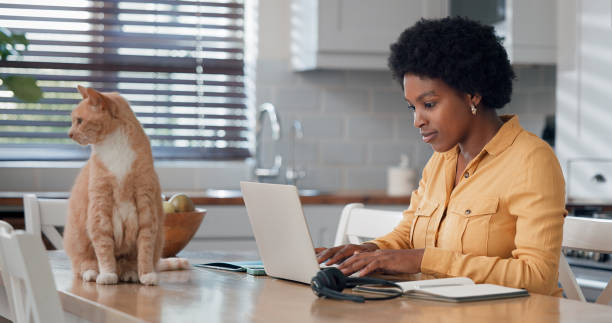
291,92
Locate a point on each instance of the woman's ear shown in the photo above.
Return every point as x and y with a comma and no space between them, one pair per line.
475,99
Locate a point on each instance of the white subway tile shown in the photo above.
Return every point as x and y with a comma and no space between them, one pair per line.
370,127
348,101
342,153
323,127
295,99
371,79
371,178
390,101
388,154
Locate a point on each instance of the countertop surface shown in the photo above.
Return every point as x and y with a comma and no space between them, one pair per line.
307,196
233,197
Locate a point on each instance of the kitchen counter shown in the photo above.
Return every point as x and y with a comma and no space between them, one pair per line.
233,197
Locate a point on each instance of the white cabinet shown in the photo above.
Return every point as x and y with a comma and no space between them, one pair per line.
352,34
583,140
529,31
356,34
528,27
224,228
227,227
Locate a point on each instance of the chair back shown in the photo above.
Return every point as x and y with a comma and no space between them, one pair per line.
358,224
44,216
587,234
6,302
27,277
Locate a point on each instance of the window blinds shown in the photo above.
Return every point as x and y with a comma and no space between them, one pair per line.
179,63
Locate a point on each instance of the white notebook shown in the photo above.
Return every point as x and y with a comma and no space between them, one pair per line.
458,289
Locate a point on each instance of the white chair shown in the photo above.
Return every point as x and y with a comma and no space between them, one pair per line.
358,224
27,277
6,302
45,215
584,234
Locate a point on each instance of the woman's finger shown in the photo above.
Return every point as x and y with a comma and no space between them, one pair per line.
319,250
325,254
377,264
342,254
356,263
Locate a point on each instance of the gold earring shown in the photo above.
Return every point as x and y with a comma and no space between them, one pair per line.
473,109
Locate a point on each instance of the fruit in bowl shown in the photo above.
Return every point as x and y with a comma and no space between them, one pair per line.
181,203
181,224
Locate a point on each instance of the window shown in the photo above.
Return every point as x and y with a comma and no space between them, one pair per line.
179,63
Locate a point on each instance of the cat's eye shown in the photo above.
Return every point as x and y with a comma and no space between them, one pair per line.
79,120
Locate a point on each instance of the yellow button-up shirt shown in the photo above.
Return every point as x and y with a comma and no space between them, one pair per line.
501,224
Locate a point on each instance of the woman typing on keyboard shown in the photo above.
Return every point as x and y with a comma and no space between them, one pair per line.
491,202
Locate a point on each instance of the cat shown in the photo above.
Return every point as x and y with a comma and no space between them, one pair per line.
114,231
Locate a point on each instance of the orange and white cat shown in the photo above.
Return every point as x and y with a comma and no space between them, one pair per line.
114,230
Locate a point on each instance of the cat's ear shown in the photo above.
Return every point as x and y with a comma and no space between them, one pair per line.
95,98
99,102
83,91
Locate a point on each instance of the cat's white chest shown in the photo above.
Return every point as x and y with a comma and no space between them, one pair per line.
116,154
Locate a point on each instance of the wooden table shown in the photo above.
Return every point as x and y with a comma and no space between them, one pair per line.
208,295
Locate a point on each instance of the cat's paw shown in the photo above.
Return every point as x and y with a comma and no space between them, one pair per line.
90,275
129,276
149,279
107,278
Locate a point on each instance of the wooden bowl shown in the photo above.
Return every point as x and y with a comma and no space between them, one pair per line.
179,228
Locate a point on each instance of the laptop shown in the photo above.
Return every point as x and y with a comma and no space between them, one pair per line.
280,230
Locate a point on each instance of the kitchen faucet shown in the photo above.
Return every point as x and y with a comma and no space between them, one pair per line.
295,173
266,109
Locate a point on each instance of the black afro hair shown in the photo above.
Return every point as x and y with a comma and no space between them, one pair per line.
463,53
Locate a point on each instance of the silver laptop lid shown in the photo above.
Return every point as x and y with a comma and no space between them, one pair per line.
280,230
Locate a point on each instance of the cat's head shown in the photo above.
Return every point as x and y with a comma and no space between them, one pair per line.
93,118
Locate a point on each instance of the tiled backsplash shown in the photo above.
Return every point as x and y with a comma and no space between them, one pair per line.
356,123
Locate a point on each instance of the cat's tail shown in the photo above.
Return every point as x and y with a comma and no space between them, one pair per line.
166,264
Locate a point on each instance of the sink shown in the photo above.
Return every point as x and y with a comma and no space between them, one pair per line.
223,193
310,192
219,193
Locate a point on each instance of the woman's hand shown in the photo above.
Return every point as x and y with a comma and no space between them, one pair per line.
338,254
404,261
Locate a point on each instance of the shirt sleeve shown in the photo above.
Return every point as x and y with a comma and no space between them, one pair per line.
399,238
537,200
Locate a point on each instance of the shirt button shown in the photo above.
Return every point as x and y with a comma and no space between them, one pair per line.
466,175
468,211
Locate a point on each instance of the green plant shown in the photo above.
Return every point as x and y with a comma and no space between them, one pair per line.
23,87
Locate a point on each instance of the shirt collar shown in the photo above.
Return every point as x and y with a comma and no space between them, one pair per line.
503,138
505,135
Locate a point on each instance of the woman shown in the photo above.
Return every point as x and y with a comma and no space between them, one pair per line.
491,201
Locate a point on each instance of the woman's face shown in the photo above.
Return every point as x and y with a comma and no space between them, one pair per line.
441,113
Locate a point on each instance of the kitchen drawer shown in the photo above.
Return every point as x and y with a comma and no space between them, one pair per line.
229,221
589,180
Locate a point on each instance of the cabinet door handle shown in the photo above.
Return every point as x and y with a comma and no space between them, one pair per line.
598,178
